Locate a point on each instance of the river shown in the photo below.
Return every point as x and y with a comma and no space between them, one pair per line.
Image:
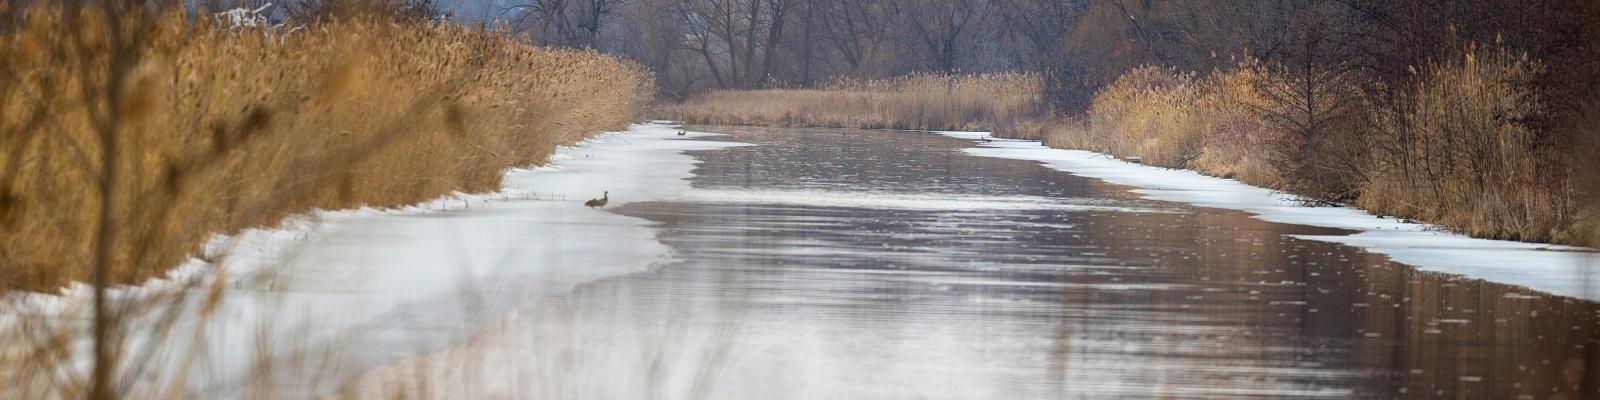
829,263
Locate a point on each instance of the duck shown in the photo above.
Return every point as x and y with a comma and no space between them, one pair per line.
985,139
600,202
681,133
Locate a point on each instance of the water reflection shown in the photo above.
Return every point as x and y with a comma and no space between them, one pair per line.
853,264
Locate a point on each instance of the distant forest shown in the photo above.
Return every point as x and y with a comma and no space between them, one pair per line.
1080,45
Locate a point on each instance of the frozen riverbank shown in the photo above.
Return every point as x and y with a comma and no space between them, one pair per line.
1560,270
304,306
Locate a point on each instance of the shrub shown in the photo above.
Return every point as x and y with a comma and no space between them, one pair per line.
1319,151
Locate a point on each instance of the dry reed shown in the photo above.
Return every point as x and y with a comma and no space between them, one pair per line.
919,101
1457,147
226,129
1174,119
1460,151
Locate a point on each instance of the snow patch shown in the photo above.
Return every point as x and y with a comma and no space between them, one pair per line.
329,294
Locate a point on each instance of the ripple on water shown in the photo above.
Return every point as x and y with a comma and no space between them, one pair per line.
881,200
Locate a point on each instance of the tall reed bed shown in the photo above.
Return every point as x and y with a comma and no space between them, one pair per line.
919,101
221,129
1458,146
1181,120
1462,150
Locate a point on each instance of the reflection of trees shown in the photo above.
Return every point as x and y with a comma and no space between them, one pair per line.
1400,331
1471,339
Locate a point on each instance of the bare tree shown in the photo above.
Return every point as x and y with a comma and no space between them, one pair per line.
1314,97
1039,26
942,29
311,10
725,35
562,23
857,30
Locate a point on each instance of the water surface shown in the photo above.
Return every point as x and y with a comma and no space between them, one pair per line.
872,264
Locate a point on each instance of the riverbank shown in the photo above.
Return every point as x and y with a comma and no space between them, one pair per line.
1472,143
307,305
196,129
1542,267
837,263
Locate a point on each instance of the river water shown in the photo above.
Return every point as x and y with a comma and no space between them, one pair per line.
825,263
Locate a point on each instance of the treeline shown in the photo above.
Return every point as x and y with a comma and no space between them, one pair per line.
1080,45
696,46
1479,115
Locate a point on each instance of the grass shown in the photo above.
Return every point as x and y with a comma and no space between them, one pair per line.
218,130
919,101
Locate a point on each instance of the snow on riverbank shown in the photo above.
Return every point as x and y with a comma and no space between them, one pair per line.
326,296
1560,270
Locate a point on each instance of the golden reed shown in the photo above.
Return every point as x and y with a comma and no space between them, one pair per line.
223,129
919,101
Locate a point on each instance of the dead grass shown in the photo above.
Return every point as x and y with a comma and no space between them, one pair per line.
222,130
921,101
1460,151
1175,119
1458,147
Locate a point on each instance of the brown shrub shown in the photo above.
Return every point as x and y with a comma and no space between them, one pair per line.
222,130
1319,151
